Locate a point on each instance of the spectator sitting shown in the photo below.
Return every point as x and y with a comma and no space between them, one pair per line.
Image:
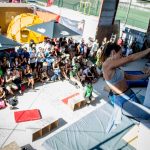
9,82
94,72
17,64
29,75
56,69
89,75
43,75
2,97
23,62
2,81
17,79
12,57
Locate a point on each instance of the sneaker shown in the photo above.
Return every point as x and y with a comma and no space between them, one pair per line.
20,92
88,102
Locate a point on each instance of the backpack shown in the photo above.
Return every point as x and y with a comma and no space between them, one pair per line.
13,102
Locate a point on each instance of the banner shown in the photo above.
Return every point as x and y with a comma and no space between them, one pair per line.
50,2
77,26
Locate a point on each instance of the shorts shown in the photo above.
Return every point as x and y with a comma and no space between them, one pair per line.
29,76
10,85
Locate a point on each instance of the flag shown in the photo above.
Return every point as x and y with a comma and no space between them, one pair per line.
49,2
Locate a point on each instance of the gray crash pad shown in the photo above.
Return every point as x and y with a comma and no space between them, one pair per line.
89,133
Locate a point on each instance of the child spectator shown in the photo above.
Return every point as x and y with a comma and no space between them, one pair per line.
88,92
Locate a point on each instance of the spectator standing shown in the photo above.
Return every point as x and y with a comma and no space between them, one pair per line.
88,92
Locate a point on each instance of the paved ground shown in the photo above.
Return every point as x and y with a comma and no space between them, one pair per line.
47,98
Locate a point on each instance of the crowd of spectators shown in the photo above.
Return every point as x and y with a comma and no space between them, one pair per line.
51,60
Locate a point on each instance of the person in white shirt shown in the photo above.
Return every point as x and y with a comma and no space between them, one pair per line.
33,59
94,48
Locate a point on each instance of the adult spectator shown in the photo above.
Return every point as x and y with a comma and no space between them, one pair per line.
81,47
5,64
9,82
94,48
40,59
56,69
33,59
26,54
17,79
98,57
13,54
28,73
